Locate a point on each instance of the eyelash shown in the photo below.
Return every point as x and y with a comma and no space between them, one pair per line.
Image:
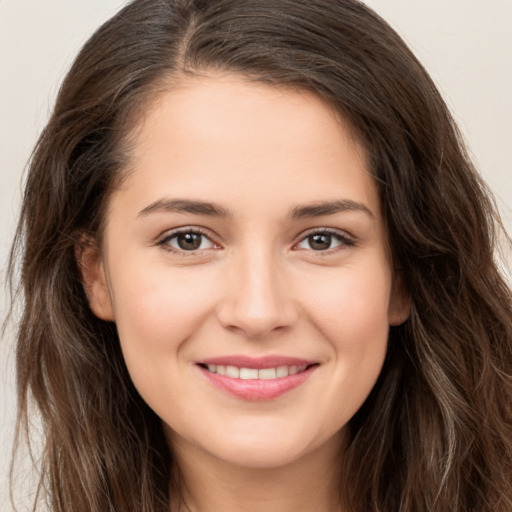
165,241
343,239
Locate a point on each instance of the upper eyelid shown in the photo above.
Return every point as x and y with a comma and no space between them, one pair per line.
169,234
325,230
184,229
346,240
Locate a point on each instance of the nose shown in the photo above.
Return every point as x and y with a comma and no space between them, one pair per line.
257,299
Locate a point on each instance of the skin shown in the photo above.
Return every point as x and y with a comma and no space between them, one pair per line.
255,287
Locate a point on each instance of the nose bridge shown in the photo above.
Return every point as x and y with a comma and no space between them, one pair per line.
257,299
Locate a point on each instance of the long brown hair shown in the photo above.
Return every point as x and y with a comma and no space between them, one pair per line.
436,432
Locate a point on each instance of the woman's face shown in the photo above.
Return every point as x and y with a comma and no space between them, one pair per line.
244,263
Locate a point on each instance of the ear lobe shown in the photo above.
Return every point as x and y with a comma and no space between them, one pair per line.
399,303
92,269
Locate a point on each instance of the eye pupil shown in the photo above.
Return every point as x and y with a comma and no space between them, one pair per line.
320,242
189,241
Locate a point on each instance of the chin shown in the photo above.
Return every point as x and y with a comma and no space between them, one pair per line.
261,455
264,446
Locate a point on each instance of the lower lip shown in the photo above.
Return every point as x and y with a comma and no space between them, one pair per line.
258,389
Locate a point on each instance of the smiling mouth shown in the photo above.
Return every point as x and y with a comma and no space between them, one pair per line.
243,373
257,378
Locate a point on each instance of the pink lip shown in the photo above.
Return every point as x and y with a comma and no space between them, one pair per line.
256,362
257,389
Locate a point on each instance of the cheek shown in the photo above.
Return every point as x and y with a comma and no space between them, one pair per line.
351,311
350,306
157,310
352,314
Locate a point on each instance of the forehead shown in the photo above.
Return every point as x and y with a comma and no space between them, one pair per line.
219,137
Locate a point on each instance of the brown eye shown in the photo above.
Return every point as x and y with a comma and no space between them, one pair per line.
320,242
324,241
188,241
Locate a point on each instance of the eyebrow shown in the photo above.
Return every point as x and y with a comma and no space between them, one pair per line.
317,209
185,206
320,209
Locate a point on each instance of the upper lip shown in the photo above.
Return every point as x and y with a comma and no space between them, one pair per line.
242,361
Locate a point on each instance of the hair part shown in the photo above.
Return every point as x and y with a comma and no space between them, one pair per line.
436,432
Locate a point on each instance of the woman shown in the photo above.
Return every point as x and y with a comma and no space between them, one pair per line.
258,273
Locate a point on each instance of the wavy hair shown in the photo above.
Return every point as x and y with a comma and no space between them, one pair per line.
435,434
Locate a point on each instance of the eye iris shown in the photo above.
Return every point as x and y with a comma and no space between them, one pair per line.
189,241
320,242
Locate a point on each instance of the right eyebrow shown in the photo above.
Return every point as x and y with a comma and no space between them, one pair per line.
185,206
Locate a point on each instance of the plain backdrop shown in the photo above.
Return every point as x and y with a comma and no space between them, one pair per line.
466,45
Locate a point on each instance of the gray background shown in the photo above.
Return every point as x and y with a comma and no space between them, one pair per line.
465,44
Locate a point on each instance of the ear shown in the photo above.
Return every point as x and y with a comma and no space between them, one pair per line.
94,280
399,303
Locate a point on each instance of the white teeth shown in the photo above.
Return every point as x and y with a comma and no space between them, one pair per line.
248,373
282,371
267,373
253,373
233,372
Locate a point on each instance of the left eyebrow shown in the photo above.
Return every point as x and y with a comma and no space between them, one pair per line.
320,209
185,206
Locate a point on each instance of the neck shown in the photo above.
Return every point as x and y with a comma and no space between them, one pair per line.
207,484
